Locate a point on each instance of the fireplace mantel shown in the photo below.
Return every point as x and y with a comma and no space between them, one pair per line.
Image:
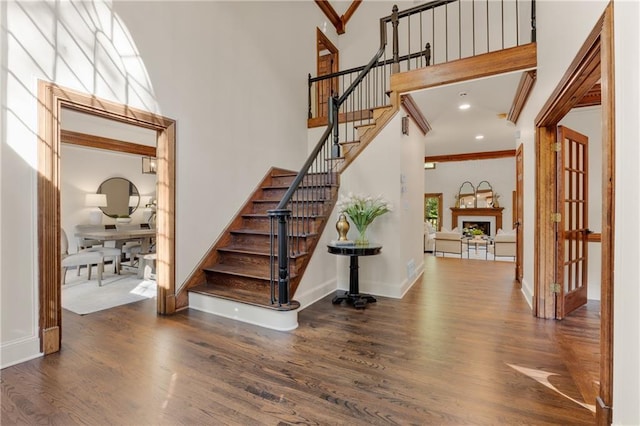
483,211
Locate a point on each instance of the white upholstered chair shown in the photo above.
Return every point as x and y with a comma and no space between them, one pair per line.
82,258
504,245
448,242
429,237
84,244
133,248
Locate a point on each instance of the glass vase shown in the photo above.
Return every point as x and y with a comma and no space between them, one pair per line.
362,239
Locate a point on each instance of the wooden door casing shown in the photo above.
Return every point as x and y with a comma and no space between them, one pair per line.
327,63
572,228
519,212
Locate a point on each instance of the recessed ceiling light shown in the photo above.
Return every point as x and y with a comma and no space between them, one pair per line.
479,137
464,106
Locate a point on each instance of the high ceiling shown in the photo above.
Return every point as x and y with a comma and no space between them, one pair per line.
454,131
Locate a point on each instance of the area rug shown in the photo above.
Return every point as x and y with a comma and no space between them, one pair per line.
83,296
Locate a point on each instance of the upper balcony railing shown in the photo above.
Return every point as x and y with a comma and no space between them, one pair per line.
432,33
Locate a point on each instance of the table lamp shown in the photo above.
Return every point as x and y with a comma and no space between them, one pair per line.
96,201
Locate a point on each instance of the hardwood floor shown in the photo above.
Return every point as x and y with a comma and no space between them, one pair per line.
460,348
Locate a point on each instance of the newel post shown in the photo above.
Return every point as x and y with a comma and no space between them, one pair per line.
282,216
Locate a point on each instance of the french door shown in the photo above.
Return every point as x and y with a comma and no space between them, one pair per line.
572,220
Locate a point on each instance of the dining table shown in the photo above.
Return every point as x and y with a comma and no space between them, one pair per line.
120,235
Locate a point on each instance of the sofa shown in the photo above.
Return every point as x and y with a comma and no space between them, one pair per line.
429,237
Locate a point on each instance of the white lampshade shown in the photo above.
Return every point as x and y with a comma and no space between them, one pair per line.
134,200
95,200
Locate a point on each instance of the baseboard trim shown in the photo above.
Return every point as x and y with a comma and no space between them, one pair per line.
317,293
527,293
20,351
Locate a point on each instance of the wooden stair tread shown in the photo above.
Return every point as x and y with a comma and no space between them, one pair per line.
266,216
240,271
256,252
242,296
259,232
262,200
349,142
364,125
303,186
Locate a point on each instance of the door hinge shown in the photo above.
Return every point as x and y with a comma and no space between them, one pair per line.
557,147
556,217
555,288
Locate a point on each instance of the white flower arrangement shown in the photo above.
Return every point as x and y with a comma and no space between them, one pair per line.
363,209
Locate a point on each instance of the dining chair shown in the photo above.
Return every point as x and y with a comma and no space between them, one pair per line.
85,244
88,258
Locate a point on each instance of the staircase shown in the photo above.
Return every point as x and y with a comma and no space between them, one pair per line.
240,268
285,217
237,268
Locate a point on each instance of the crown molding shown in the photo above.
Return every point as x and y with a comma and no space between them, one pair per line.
414,112
522,94
486,155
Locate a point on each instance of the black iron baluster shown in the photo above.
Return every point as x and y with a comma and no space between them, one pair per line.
394,23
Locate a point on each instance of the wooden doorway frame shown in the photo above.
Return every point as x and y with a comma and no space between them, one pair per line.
321,94
517,212
437,195
593,63
323,43
51,99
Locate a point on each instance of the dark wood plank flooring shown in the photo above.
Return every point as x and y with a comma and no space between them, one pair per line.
460,348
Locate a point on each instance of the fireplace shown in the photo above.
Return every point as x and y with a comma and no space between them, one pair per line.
493,215
484,226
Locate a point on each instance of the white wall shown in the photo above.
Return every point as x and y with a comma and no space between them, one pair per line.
447,178
391,166
587,122
195,62
626,319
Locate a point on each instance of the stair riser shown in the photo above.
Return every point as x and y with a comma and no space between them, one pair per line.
321,193
307,225
254,264
261,242
316,208
247,283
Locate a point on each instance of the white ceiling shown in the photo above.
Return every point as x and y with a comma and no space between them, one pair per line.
454,131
